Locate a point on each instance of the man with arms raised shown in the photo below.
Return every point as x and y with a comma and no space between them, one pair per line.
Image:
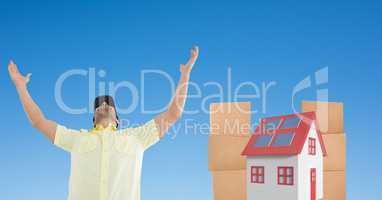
105,162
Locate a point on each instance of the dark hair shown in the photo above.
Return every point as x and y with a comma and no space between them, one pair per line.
108,100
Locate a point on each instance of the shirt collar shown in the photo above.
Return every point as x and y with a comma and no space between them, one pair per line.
100,128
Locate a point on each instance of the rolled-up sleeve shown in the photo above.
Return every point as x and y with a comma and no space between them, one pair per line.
66,138
146,134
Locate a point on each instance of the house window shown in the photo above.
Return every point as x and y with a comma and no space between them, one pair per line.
312,146
285,176
257,174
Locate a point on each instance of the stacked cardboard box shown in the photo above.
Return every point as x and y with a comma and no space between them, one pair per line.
230,126
330,118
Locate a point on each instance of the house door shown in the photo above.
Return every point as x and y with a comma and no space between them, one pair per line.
313,184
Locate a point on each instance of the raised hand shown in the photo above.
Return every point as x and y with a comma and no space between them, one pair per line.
35,116
16,76
186,69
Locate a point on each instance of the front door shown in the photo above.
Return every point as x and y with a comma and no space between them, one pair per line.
313,184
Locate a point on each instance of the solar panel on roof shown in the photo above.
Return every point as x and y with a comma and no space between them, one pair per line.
272,125
284,139
291,122
263,140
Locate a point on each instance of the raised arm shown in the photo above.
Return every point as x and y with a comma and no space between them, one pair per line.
35,116
166,119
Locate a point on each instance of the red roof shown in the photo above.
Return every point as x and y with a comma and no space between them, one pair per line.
282,135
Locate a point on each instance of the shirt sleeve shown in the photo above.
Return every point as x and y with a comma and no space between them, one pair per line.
66,138
146,134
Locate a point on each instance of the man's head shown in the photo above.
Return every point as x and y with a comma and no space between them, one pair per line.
105,112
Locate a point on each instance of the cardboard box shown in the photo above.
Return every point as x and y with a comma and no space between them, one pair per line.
232,119
330,115
334,185
229,185
224,152
336,148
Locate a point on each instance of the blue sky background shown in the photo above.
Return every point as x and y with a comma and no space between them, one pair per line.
262,41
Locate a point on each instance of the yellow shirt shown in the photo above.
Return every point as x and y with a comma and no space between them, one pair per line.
106,165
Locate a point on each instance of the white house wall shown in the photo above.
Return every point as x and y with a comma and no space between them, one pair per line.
305,163
270,190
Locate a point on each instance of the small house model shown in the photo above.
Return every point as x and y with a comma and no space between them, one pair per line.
285,159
